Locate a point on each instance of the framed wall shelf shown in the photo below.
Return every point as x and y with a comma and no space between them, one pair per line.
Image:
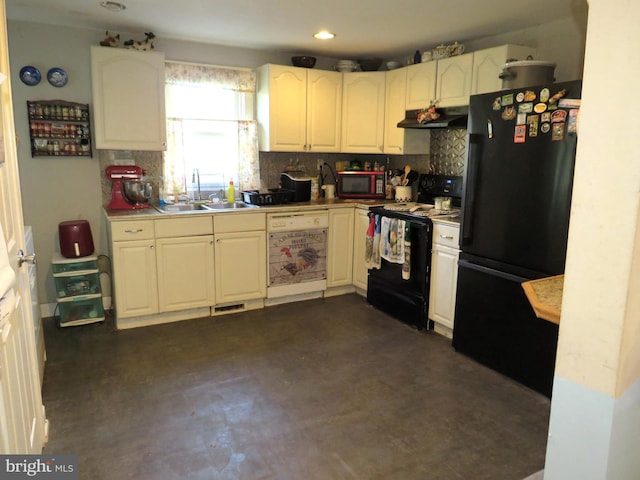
59,128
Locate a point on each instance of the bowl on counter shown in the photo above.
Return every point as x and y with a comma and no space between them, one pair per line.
303,61
137,192
345,66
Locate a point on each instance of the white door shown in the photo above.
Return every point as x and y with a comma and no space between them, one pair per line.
22,423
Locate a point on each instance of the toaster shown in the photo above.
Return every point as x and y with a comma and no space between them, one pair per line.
299,183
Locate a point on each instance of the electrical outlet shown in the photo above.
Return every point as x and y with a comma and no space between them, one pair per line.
319,163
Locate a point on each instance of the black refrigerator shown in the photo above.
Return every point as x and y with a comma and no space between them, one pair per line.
515,219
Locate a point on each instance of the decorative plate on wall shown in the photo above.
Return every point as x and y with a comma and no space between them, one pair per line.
30,75
57,77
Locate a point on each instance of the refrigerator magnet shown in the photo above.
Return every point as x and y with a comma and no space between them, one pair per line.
545,117
509,113
540,107
533,121
507,99
529,96
545,127
544,95
525,107
521,119
572,123
520,134
520,97
557,132
497,104
558,116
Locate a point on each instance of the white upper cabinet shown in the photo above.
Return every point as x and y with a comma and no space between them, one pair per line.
453,86
394,110
488,64
363,112
298,109
421,85
128,99
400,141
324,110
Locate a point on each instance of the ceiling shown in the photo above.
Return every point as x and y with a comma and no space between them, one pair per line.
385,28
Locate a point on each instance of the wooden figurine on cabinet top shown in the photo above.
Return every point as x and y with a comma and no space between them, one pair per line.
146,44
110,41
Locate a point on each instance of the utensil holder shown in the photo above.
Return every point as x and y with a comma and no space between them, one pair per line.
404,193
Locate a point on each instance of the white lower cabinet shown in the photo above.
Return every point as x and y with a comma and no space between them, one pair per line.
360,272
444,277
241,260
340,247
135,277
241,257
185,272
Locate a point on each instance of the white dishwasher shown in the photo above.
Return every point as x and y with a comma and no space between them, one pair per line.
297,253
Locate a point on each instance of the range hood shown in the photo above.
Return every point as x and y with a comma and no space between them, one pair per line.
453,117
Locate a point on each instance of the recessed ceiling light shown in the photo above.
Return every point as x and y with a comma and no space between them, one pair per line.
324,35
113,6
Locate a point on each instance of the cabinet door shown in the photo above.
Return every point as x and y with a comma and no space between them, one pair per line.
324,110
128,99
340,247
453,86
360,272
488,65
282,108
185,272
241,266
395,100
135,278
444,276
363,112
421,85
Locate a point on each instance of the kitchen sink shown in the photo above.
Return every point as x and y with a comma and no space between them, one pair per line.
200,207
229,206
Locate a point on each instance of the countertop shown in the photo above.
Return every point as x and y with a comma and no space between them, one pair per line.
545,296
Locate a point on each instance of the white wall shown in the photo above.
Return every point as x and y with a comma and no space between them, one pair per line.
595,413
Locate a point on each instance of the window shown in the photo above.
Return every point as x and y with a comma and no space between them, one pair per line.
211,134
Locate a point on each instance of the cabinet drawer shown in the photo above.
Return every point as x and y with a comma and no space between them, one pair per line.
132,230
184,227
74,285
447,235
82,310
240,222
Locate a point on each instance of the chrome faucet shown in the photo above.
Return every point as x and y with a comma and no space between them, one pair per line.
195,178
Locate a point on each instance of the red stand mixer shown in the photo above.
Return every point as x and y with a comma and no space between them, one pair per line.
128,191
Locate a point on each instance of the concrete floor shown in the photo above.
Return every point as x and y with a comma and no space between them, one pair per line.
323,389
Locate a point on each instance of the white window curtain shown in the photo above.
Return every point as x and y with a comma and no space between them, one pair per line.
213,94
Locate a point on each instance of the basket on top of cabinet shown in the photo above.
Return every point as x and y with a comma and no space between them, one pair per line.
59,128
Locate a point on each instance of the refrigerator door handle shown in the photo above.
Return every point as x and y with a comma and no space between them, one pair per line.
491,271
470,186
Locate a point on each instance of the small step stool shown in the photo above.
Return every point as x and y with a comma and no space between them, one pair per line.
78,290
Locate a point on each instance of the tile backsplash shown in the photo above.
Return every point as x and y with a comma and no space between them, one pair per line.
446,157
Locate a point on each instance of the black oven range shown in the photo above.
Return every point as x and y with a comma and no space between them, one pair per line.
399,249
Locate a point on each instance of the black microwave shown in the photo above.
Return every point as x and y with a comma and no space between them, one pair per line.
361,184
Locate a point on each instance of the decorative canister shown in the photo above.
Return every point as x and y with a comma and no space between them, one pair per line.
404,193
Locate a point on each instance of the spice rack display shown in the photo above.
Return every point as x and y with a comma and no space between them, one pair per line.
78,290
59,128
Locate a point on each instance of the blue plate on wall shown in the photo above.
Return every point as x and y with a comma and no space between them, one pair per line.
30,75
57,77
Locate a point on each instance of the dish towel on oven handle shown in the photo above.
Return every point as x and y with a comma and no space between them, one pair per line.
392,239
372,245
406,266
